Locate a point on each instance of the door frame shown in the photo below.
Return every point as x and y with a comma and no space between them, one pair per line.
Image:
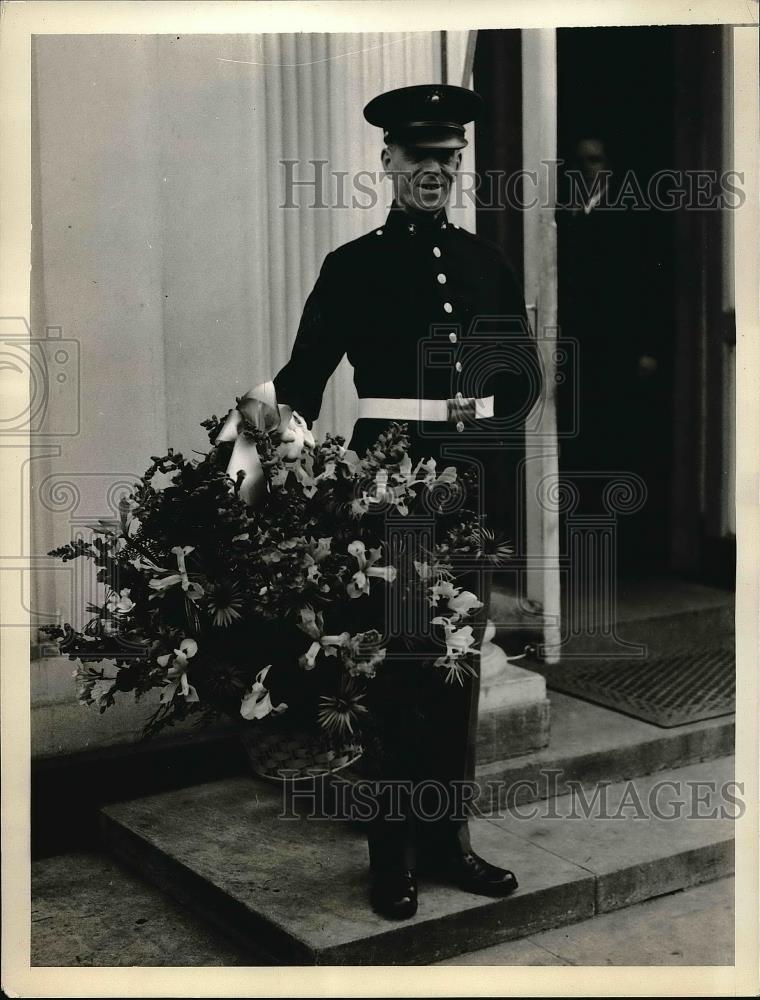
705,324
539,143
518,68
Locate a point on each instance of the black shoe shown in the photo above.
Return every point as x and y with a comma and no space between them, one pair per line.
394,894
473,874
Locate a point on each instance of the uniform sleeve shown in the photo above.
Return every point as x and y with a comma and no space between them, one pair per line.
318,348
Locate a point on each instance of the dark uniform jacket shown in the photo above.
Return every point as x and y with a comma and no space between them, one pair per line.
423,309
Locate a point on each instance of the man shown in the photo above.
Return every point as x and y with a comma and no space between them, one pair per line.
389,300
610,303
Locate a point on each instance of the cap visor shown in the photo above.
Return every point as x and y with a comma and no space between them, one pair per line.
448,142
427,138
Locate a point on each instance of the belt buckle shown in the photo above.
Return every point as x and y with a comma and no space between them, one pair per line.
460,409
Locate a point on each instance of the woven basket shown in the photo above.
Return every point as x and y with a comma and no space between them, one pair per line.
299,753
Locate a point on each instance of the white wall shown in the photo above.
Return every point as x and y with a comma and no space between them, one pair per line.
159,246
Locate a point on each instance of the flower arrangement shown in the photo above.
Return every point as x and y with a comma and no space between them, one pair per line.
275,602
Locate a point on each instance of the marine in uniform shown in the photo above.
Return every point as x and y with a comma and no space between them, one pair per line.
421,308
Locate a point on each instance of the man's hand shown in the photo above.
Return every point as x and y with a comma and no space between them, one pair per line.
292,434
461,408
286,412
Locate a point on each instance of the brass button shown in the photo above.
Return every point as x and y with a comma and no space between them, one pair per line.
447,307
460,426
458,366
453,337
441,279
378,232
436,251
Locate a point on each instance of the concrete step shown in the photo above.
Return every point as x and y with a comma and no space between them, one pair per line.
633,843
660,615
87,910
297,887
694,926
590,743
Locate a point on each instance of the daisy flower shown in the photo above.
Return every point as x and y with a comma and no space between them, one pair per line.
224,602
339,712
492,547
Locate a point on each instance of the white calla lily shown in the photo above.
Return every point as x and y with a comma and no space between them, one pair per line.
464,603
312,624
459,643
359,583
257,703
193,590
177,672
122,603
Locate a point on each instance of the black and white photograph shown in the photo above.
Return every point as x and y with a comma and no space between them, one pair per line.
381,461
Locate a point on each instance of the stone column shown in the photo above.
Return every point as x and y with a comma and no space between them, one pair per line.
514,709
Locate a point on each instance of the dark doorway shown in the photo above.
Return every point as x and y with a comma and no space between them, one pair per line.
642,290
616,279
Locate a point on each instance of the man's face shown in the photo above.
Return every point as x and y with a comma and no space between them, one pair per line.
422,178
591,157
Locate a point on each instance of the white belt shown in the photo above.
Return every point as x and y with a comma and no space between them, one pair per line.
443,410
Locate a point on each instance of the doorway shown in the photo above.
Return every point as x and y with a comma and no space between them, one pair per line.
642,292
615,101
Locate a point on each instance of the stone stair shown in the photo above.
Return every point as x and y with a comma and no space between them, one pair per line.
296,889
589,744
660,615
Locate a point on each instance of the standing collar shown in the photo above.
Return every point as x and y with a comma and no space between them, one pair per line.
402,222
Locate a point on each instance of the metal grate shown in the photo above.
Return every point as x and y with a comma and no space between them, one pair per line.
670,690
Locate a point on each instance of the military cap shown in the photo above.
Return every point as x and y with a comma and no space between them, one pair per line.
431,116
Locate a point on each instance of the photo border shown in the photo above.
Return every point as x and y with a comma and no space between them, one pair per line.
20,21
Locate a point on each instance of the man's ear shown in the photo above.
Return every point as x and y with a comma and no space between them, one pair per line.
458,162
385,159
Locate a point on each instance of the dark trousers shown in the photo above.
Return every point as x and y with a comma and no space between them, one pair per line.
420,759
419,763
